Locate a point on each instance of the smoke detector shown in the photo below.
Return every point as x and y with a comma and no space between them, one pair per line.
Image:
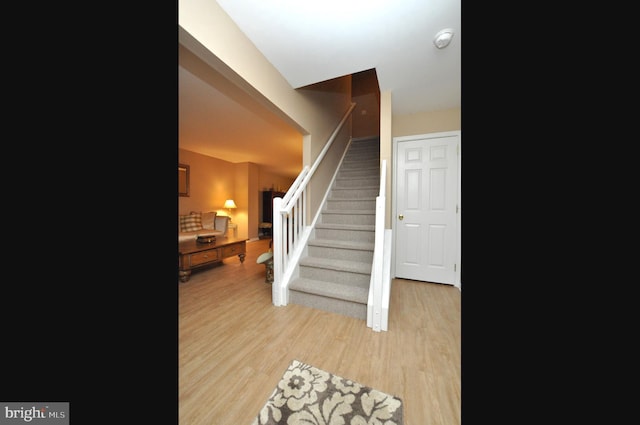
443,38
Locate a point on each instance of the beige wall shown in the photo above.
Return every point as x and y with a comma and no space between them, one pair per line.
332,99
408,125
366,96
206,30
212,181
427,122
366,116
385,149
245,173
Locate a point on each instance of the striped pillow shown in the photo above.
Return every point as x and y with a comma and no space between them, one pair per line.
208,219
191,222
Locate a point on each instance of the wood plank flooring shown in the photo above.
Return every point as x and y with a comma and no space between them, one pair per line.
234,345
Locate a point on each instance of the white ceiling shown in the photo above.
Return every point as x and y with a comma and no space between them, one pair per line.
311,42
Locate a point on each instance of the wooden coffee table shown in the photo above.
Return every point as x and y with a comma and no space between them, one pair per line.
192,254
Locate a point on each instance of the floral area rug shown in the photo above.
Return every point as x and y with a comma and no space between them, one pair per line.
308,395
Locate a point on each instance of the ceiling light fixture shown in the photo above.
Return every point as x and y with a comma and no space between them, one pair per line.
443,38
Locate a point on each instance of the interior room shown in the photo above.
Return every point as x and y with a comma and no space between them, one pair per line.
286,125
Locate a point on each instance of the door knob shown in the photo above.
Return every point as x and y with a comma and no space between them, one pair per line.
400,216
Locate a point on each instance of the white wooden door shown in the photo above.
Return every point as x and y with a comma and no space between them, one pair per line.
426,221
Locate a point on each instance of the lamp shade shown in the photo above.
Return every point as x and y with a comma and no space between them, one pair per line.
229,204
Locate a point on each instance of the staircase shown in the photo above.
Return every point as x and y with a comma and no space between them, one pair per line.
335,273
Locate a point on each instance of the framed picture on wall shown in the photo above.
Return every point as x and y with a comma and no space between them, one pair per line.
183,180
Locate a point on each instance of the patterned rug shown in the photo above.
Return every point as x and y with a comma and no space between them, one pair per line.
308,395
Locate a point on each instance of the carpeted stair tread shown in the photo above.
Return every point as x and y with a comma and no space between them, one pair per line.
362,159
354,184
333,243
335,275
371,186
354,198
339,265
340,226
330,289
374,181
350,192
365,171
373,176
360,162
350,212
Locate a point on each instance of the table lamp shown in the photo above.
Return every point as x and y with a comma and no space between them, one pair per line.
229,204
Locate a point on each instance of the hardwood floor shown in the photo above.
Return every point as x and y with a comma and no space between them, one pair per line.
234,345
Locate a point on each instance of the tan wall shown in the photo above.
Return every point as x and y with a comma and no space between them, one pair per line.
244,174
253,201
366,96
207,30
407,125
386,142
332,99
366,116
212,181
427,122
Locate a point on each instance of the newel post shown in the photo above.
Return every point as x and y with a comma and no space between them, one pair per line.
277,291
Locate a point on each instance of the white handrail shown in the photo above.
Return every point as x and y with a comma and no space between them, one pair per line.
287,200
290,232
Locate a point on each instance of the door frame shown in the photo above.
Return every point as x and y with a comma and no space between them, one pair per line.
394,212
